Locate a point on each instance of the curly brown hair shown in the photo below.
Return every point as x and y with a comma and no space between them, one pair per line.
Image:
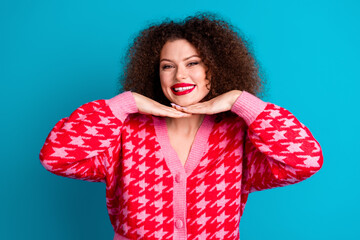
226,54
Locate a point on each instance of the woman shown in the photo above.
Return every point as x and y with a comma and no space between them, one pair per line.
183,171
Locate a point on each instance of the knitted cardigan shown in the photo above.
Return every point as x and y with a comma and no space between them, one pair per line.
151,195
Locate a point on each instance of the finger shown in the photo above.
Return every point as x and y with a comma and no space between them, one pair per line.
171,112
175,115
197,111
171,109
177,107
199,108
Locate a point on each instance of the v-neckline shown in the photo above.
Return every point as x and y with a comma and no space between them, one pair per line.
197,148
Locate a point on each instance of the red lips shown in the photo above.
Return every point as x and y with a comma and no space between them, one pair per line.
178,89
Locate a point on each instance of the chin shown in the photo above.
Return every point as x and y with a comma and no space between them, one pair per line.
188,102
185,101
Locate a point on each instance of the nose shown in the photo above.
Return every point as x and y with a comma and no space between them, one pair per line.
181,73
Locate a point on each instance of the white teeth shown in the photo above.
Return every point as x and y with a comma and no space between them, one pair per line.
180,89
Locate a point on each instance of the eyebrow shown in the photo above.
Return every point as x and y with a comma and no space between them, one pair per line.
165,59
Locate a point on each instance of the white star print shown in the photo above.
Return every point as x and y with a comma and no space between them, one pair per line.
159,171
203,235
143,184
288,122
60,152
125,227
302,133
220,234
159,234
273,113
141,231
202,204
99,110
128,162
78,141
143,200
91,130
105,143
116,131
125,211
159,187
203,219
265,123
293,147
160,218
142,215
82,117
104,120
222,217
159,203
220,170
201,189
310,161
53,136
264,148
278,135
127,179
142,168
126,196
221,186
92,153
68,127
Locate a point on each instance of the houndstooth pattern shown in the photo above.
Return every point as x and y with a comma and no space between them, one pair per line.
93,145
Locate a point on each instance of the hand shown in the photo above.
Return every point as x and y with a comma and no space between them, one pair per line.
221,103
146,105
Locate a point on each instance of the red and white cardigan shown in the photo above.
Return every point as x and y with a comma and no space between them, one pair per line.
151,195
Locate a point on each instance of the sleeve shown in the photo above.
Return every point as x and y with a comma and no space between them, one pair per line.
81,145
278,149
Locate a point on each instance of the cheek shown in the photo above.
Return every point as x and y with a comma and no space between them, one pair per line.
163,80
165,83
200,78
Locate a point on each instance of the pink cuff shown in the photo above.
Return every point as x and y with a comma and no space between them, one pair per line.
122,105
248,107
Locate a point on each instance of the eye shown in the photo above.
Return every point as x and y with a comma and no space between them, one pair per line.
166,67
193,64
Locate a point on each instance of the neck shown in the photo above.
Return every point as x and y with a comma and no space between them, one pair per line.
184,126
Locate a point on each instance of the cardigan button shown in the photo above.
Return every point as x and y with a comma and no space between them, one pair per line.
178,178
179,223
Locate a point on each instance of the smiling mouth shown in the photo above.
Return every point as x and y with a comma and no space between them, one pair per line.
182,90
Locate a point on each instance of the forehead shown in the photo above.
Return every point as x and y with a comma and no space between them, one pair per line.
178,49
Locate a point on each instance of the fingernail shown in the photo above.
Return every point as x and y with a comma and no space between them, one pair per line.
173,104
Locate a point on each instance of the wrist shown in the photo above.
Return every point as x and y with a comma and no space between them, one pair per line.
235,94
137,99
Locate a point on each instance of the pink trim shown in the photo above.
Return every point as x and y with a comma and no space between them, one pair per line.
248,107
119,237
200,144
180,172
197,149
122,105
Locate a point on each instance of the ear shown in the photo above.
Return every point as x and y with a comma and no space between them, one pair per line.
208,86
208,77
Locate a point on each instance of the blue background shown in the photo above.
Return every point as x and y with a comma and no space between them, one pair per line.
57,55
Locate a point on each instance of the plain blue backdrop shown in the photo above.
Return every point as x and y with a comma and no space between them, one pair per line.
57,55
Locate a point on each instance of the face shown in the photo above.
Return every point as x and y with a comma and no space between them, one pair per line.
182,73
